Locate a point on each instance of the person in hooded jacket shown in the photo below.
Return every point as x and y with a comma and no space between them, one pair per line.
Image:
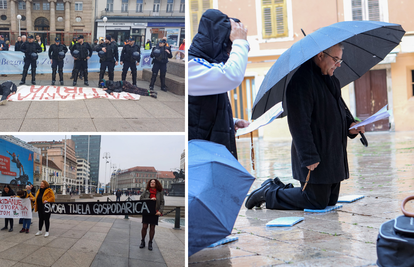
8,192
160,54
43,195
217,62
56,59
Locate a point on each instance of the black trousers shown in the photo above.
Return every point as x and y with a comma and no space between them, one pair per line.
6,222
43,218
28,62
81,65
315,196
162,67
110,66
59,66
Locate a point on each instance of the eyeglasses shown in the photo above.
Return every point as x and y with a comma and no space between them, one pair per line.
337,60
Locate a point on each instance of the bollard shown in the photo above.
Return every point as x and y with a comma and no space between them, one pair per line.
177,218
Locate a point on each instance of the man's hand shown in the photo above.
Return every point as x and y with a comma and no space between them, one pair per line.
137,63
168,51
241,124
357,130
88,58
313,166
121,63
116,63
238,31
104,49
51,61
75,58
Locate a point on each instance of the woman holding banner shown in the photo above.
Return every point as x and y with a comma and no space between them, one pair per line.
155,192
8,192
43,195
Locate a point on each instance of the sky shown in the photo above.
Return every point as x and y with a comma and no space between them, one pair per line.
163,152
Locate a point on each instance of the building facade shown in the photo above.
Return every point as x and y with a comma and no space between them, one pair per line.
56,151
93,142
137,178
141,20
82,176
52,174
275,25
48,18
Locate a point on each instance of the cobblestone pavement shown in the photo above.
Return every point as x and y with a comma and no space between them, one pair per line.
383,172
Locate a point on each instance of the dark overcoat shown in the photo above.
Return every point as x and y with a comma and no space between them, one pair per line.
318,124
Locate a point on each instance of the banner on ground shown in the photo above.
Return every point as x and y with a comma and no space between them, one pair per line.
65,93
14,207
11,62
102,208
16,164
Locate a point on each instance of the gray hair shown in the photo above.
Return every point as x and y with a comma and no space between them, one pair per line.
338,44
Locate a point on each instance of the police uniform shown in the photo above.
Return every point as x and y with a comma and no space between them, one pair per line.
160,60
129,61
30,51
54,51
74,41
84,50
108,58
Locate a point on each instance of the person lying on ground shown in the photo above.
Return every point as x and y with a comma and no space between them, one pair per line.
123,86
7,88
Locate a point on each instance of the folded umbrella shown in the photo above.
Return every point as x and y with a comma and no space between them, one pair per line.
365,43
217,186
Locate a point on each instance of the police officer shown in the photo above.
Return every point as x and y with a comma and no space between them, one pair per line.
81,52
130,58
160,55
74,41
30,50
108,52
57,52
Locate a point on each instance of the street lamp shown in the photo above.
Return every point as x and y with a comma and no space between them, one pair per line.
105,19
106,157
113,167
19,17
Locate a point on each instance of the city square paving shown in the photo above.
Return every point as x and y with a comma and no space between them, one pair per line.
383,172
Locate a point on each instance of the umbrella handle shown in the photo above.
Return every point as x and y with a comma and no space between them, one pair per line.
364,141
406,213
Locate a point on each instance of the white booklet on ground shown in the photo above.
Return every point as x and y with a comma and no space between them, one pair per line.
381,114
263,120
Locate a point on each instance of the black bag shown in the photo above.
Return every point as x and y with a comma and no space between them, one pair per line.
395,243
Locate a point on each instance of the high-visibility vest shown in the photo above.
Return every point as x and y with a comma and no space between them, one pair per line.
43,47
147,46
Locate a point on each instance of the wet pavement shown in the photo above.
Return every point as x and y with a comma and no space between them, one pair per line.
383,172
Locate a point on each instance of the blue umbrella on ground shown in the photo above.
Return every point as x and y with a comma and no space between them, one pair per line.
217,186
365,43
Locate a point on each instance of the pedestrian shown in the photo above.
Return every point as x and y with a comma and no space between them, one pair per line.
221,56
108,54
148,45
318,152
94,45
18,44
30,49
43,195
160,55
26,221
57,52
130,58
8,192
153,191
3,45
81,52
118,195
41,44
7,88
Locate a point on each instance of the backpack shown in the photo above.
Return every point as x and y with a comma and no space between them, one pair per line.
395,242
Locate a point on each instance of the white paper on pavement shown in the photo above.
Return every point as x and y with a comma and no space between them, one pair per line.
381,114
263,120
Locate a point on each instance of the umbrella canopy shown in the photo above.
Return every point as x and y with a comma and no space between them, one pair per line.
217,187
365,43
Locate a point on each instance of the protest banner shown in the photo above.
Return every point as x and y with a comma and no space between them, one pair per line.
65,93
14,207
11,62
102,208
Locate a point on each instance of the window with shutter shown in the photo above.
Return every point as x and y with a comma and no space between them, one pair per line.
274,18
366,10
197,8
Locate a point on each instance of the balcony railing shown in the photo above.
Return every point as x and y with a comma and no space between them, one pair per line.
145,13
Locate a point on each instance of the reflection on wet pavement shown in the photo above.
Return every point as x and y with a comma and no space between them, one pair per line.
383,172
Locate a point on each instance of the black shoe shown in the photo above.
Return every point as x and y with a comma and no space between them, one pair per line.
53,82
74,83
4,228
11,230
164,89
150,245
277,181
34,82
71,76
142,244
257,197
86,83
61,82
22,82
268,181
